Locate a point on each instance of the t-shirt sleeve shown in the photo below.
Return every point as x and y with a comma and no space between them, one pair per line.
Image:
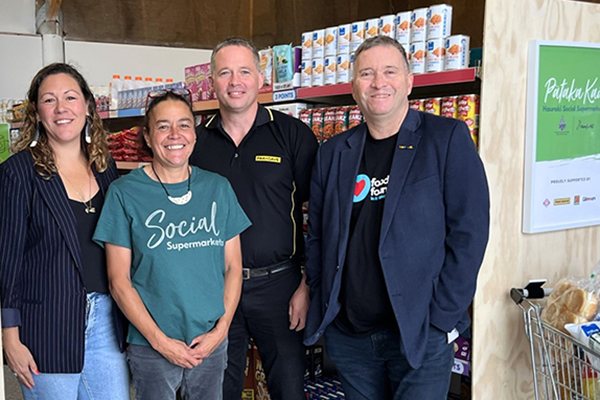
237,220
114,224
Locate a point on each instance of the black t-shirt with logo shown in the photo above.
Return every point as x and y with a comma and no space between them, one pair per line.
366,306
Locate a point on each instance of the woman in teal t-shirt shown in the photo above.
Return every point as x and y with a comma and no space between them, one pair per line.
171,233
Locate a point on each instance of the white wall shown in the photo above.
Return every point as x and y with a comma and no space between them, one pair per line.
99,61
20,59
17,16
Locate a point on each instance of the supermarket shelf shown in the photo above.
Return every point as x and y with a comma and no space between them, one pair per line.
16,125
213,105
130,164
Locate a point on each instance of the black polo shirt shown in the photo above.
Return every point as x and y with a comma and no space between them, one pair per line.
270,174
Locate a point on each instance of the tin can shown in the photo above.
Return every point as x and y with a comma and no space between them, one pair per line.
341,119
418,25
449,107
468,110
344,33
371,27
318,43
306,116
439,21
328,124
306,74
357,35
417,105
418,54
331,41
403,27
387,26
318,71
343,68
330,70
457,52
433,105
354,117
435,55
317,122
307,46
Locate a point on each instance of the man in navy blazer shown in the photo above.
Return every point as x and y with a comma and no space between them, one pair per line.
398,225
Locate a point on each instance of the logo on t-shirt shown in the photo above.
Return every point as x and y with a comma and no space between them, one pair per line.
365,186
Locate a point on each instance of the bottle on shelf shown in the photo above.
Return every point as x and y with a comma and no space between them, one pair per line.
138,82
148,82
116,85
158,83
128,83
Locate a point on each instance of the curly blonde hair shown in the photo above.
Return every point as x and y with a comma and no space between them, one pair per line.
96,152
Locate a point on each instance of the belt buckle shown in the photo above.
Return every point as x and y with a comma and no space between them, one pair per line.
245,273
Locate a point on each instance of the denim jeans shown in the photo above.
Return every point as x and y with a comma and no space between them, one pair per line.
104,374
155,378
374,367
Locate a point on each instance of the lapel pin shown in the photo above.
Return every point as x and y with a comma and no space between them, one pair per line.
403,147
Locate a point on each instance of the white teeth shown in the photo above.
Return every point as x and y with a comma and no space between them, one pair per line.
63,121
175,147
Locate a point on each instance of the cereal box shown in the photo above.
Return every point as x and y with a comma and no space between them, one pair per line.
190,82
330,70
203,82
449,107
439,21
354,117
343,68
306,74
341,119
457,52
418,54
418,25
435,55
344,33
432,106
328,123
318,43
403,27
387,25
307,46
318,71
371,27
331,41
417,105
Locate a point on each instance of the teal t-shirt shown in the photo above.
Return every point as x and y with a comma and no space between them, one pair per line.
178,253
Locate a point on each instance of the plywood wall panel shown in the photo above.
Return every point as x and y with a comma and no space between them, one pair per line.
501,364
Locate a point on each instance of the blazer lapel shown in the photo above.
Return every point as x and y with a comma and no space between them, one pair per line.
404,154
54,195
348,170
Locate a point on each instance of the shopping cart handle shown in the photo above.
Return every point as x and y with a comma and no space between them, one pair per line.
533,290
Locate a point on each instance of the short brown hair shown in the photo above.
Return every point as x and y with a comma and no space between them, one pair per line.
235,41
382,41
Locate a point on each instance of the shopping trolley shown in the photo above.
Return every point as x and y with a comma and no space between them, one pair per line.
561,365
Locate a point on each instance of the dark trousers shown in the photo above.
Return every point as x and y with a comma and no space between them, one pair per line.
263,315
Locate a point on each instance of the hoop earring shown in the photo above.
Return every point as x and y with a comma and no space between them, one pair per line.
37,135
88,138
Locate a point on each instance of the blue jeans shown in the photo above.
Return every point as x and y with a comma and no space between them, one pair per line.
375,368
104,374
155,378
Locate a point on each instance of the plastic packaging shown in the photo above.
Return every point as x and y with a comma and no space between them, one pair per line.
284,67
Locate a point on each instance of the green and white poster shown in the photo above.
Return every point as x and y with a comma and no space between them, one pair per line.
562,160
4,142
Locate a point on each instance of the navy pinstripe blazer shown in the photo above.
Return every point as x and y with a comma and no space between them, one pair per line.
41,274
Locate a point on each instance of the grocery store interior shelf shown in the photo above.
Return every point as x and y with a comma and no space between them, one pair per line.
213,105
130,164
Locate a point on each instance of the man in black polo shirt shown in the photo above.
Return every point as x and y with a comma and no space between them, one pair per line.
267,156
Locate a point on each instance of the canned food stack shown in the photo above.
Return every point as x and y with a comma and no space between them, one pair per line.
328,122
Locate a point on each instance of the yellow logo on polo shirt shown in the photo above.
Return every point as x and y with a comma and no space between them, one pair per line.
271,159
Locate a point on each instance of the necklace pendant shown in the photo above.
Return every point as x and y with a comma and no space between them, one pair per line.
90,210
182,199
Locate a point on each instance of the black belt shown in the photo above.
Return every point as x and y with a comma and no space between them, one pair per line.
248,273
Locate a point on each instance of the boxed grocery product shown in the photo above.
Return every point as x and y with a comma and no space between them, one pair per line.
343,68
403,27
307,46
318,43
341,119
357,35
317,122
328,124
331,41
190,82
439,21
418,54
355,117
435,55
292,109
318,71
306,117
330,69
306,73
418,25
457,52
387,25
344,33
204,83
371,27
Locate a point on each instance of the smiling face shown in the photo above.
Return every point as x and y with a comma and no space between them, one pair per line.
381,83
236,79
172,135
61,108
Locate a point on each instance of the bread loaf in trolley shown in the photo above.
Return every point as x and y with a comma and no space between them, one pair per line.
569,304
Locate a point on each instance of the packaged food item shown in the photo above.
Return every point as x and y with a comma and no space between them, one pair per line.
573,301
318,71
284,67
203,82
328,124
403,27
116,85
330,70
468,110
387,25
317,122
344,33
418,54
352,65
435,55
266,66
306,74
318,43
343,68
371,27
417,105
307,46
457,52
357,35
331,41
306,116
406,48
433,105
341,119
449,107
418,25
439,21
354,117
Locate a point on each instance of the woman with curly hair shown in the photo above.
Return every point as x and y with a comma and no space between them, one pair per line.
61,333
